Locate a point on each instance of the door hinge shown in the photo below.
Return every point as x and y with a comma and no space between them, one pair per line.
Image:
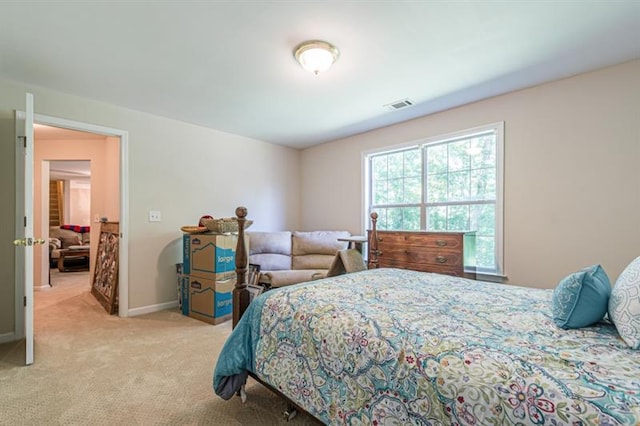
25,301
25,221
24,140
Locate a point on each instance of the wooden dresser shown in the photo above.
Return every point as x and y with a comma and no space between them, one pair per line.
451,253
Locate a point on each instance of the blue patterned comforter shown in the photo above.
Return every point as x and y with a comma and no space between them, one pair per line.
391,346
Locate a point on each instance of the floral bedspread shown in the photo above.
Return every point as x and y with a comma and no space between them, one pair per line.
399,347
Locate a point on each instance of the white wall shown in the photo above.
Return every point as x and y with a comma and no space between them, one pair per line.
572,181
182,170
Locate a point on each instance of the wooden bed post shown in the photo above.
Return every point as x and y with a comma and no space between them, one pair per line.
373,243
240,292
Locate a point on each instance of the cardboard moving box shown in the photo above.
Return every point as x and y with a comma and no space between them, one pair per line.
208,300
208,254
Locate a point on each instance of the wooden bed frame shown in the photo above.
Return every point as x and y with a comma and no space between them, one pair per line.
240,291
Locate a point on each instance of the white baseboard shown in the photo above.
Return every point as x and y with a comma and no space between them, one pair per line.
152,308
10,337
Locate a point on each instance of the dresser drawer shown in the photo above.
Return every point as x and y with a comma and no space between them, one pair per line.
415,254
430,240
395,263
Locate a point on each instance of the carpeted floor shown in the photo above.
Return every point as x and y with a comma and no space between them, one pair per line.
95,369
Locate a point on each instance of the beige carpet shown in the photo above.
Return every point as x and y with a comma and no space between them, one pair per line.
94,369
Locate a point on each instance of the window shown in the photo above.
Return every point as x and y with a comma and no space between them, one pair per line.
449,183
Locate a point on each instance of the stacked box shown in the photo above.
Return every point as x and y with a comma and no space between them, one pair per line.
207,300
210,256
208,276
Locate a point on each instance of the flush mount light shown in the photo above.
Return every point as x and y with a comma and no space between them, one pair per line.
315,55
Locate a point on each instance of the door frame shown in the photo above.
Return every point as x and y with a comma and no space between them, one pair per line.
123,261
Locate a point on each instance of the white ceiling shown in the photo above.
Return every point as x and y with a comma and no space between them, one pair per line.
229,65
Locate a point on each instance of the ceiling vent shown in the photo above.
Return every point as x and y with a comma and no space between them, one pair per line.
402,103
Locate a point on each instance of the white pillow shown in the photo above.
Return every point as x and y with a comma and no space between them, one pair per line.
624,304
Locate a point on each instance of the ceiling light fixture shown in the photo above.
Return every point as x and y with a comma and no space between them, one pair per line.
316,56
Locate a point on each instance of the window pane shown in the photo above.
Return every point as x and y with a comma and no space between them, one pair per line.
483,219
380,192
483,184
411,218
413,190
458,218
413,163
394,218
437,218
436,159
483,151
459,156
437,188
382,218
459,186
485,253
394,191
379,167
396,165
401,218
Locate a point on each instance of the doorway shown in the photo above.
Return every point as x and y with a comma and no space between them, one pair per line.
24,223
74,157
116,182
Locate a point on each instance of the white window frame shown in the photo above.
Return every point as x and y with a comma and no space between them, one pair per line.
498,129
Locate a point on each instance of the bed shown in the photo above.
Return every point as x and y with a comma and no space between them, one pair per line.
392,346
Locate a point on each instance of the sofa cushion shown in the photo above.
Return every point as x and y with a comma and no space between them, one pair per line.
270,242
312,261
70,241
270,261
318,242
270,250
316,249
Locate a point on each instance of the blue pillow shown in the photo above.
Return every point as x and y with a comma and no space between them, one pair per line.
582,298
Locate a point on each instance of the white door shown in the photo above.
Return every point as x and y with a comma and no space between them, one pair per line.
24,231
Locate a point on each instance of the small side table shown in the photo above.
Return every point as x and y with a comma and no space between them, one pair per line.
355,241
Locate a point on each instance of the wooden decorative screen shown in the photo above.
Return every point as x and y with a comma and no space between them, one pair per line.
105,275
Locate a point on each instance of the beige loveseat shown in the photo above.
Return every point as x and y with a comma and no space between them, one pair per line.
287,258
60,238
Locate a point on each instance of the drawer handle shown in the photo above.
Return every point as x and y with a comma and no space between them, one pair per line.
441,259
441,243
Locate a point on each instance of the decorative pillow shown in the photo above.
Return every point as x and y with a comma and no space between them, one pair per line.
582,298
624,304
70,241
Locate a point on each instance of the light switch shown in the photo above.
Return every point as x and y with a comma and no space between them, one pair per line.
155,216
